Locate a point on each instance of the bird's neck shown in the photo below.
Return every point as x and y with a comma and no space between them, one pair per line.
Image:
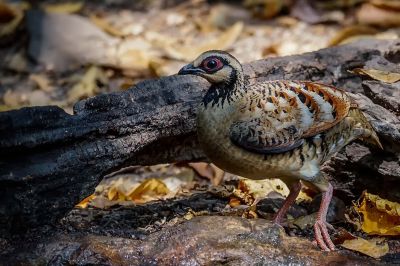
227,92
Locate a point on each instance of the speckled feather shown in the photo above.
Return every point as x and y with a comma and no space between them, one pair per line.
276,116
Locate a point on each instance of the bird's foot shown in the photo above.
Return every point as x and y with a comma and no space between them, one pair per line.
322,238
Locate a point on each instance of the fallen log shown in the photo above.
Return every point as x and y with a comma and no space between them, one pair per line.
49,160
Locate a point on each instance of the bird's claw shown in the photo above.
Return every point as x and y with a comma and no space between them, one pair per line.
322,236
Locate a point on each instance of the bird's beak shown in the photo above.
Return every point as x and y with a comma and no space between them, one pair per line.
190,69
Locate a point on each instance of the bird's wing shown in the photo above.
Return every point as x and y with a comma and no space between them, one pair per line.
276,116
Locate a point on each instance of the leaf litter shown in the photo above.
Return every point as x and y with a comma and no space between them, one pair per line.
132,45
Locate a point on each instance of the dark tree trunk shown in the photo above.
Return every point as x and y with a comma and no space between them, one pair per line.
49,160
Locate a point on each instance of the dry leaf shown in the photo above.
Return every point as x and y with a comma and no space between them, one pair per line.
14,99
264,8
249,191
4,108
85,202
134,59
344,35
261,188
10,17
388,4
150,189
223,15
106,26
38,98
209,171
165,67
385,76
337,4
380,216
190,52
42,82
87,86
71,7
375,248
234,202
373,15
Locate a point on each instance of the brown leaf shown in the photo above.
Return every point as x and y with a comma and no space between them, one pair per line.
106,26
375,248
190,52
234,202
373,15
42,82
165,67
385,76
209,171
39,98
14,99
345,34
265,8
10,18
388,4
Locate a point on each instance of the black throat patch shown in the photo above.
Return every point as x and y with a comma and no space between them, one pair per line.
218,93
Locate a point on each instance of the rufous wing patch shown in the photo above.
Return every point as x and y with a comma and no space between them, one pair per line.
337,99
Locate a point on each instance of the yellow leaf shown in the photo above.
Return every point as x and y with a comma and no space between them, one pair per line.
372,247
234,201
112,193
190,52
63,7
349,33
134,59
380,216
385,76
42,82
106,26
4,108
84,203
150,189
261,188
87,86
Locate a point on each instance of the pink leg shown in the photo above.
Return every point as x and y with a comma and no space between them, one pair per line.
290,199
320,227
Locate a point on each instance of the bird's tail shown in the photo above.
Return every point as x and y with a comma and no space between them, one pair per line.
363,127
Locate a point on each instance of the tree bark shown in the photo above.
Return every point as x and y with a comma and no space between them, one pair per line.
49,160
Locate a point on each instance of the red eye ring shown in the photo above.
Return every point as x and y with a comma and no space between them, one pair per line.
212,64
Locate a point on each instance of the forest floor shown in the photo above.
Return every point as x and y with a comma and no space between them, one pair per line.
55,53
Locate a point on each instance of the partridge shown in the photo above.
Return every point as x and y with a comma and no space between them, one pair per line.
275,129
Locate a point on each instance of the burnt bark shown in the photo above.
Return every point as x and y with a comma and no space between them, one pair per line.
49,160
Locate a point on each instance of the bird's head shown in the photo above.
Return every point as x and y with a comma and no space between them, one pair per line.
218,67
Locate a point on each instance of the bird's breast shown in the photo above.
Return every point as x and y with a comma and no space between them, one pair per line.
213,134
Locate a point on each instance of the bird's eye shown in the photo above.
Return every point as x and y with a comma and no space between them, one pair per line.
212,64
